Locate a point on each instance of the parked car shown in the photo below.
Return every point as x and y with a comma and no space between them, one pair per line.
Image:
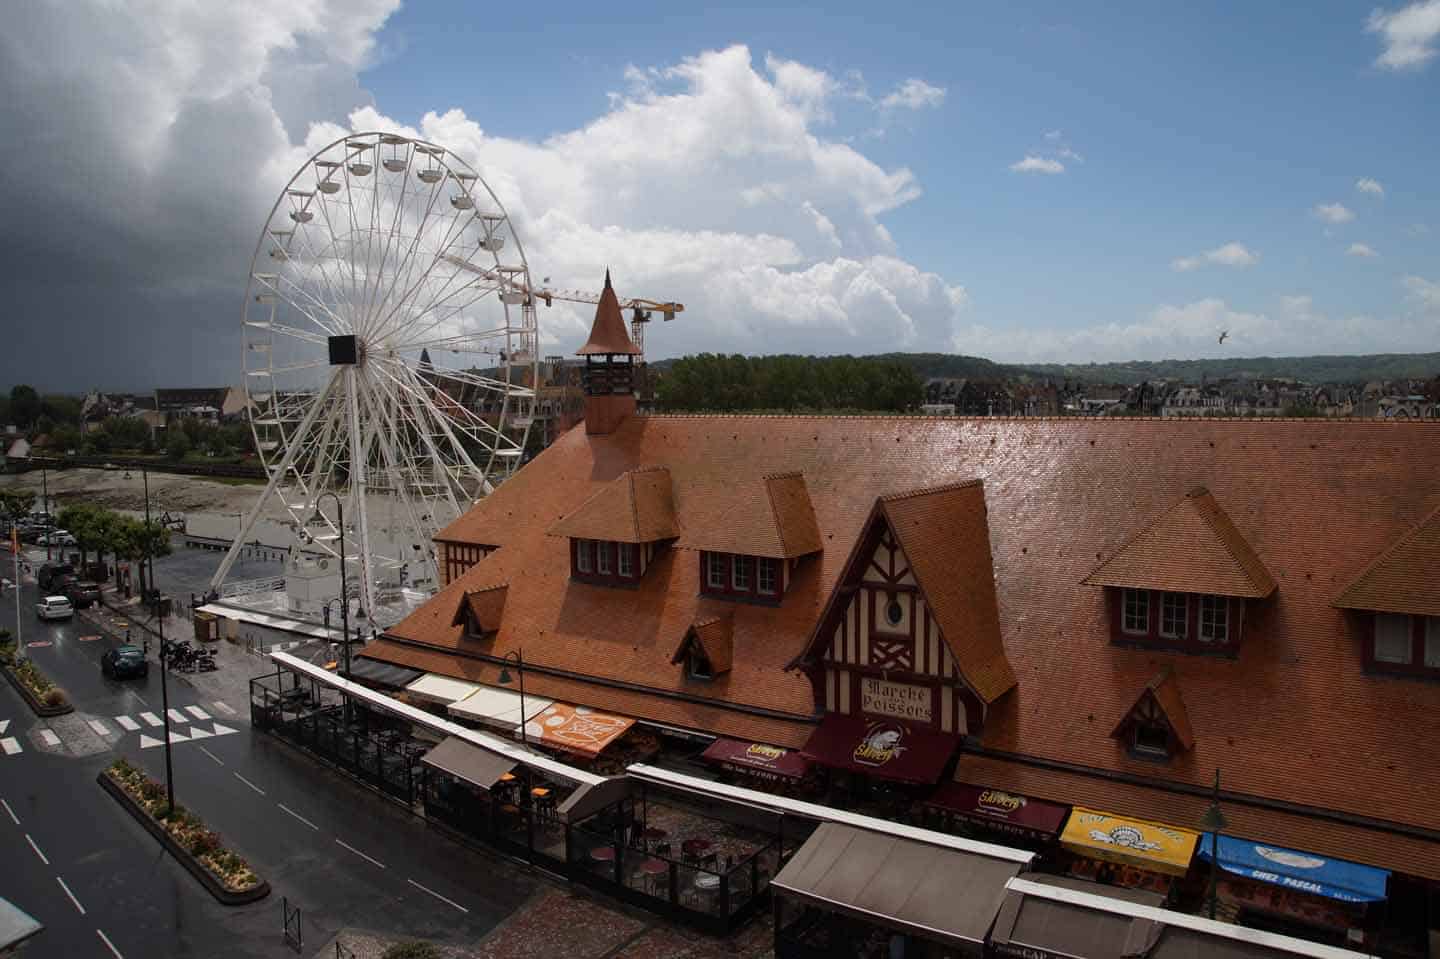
124,661
83,593
51,572
54,607
57,537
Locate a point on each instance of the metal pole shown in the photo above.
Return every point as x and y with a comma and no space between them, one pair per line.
164,660
520,668
45,508
344,593
19,640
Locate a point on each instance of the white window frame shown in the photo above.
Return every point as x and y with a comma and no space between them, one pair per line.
771,568
604,565
1141,602
1395,621
715,570
1167,601
742,583
1432,642
584,559
1214,620
625,559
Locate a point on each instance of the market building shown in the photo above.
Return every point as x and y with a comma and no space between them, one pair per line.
1045,632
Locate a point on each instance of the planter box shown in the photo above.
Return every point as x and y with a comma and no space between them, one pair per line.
36,706
182,855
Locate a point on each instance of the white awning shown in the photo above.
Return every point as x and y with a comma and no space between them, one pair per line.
440,689
500,707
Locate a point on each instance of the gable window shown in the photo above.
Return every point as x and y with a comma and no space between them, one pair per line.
603,558
1214,619
715,570
1136,615
1405,644
1392,638
1174,615
697,666
769,577
740,569
1152,740
626,560
584,555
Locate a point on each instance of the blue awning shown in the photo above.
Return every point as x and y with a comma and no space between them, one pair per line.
1306,872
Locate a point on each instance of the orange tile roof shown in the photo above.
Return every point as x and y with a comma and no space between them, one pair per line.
636,507
607,333
1403,579
946,538
715,636
485,607
1164,690
1191,548
777,520
1292,716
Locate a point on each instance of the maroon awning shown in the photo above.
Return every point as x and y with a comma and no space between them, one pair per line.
888,748
999,809
757,759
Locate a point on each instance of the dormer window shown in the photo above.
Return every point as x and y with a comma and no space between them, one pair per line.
604,562
706,649
1174,615
626,560
737,576
715,571
740,569
697,665
1214,620
584,556
1151,740
1396,605
1135,619
622,529
1404,644
1156,727
769,580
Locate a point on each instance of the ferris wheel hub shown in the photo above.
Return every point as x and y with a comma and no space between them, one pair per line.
345,350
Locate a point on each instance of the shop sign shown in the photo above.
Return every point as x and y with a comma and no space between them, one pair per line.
1117,839
1013,950
881,697
882,743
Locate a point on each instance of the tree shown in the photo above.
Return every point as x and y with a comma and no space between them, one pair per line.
177,444
15,503
136,541
84,522
24,405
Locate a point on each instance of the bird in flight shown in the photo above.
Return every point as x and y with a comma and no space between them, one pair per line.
1224,335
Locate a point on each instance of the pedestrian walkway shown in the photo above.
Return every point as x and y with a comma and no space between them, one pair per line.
188,723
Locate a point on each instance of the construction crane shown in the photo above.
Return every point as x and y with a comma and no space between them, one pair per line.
640,308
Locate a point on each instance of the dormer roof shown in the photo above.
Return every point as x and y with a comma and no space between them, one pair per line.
776,521
636,507
1160,699
1404,578
608,334
1191,548
715,638
482,607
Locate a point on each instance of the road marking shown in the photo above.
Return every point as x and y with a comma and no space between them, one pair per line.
37,849
178,737
100,728
48,735
37,644
220,706
176,716
224,730
143,702
197,712
13,817
359,853
4,725
297,815
211,755
88,639
71,895
127,724
147,741
108,944
11,745
200,733
251,785
151,719
437,895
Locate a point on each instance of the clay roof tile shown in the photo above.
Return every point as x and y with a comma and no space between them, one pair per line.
1405,578
715,636
775,521
637,507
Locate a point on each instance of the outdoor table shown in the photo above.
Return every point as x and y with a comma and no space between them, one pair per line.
603,854
695,848
707,882
653,869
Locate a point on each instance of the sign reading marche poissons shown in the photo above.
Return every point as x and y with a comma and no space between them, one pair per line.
881,697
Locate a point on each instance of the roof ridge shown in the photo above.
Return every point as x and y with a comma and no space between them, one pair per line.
1387,551
927,490
1210,521
783,474
630,480
775,513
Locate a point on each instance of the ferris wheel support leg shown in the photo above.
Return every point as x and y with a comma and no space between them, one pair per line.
234,552
359,457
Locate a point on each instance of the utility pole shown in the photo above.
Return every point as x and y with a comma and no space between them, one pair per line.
164,660
15,544
319,517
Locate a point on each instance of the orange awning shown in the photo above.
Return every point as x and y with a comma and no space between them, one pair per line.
577,729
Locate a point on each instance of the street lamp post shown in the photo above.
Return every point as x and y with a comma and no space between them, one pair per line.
319,517
505,681
164,659
1213,822
45,506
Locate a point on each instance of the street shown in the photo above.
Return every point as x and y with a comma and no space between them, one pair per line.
104,887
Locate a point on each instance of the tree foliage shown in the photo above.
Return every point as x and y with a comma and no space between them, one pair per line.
24,405
719,382
15,503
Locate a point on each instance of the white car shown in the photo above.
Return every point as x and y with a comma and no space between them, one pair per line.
54,607
57,538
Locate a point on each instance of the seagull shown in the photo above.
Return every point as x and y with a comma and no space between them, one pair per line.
1224,335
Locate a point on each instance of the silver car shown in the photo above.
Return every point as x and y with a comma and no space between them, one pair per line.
54,607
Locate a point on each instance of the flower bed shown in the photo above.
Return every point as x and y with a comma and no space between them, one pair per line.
186,834
43,696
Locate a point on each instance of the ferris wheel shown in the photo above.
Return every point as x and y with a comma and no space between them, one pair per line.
389,351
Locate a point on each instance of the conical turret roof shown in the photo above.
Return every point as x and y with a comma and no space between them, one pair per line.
608,334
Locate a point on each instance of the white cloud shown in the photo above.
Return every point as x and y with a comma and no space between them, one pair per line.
913,94
1053,134
1424,292
1361,250
1066,153
802,85
1369,185
1408,34
1333,212
1231,254
1036,164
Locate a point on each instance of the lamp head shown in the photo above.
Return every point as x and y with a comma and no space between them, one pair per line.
504,676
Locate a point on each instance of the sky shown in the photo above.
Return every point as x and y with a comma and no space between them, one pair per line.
1026,182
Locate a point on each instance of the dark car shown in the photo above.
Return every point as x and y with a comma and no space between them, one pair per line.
83,593
52,571
124,661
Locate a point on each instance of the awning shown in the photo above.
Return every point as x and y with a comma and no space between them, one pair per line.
757,759
939,894
1038,927
577,729
998,809
382,674
1303,871
460,759
1133,842
881,747
435,688
500,707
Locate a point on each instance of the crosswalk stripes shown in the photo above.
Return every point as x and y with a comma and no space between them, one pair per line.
11,745
127,724
100,728
223,707
195,732
151,719
176,716
4,725
48,735
197,712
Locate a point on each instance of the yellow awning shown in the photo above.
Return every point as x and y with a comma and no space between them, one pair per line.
1133,842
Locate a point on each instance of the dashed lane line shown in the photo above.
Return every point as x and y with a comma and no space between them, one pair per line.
298,816
37,849
371,859
437,895
251,785
211,755
108,944
75,901
197,712
48,735
13,818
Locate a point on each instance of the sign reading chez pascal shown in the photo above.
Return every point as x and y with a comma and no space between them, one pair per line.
881,697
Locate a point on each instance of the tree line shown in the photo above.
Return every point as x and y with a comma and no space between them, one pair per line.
97,530
727,383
